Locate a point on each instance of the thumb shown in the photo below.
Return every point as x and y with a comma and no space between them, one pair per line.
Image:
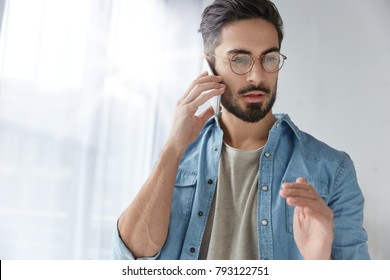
301,180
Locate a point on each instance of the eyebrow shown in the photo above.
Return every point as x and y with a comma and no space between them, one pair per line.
243,51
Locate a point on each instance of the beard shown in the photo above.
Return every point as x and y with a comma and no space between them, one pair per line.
253,112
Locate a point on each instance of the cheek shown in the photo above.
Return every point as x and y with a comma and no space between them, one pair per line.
231,92
273,81
230,88
275,85
232,83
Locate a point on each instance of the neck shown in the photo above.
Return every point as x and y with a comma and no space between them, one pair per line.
244,135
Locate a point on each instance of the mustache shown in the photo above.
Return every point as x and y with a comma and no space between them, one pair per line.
254,88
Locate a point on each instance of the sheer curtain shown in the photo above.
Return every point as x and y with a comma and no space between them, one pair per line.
87,91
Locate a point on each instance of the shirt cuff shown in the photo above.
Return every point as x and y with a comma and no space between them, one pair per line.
120,250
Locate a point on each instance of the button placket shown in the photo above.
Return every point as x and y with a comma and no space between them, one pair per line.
265,201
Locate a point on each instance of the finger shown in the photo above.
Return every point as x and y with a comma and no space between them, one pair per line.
201,99
202,88
307,192
201,79
298,188
301,180
316,206
191,86
305,202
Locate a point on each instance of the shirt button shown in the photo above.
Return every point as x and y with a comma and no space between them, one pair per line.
200,213
278,124
264,188
267,154
264,222
192,250
215,149
210,182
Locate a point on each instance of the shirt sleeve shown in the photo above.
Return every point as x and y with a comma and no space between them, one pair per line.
347,202
120,250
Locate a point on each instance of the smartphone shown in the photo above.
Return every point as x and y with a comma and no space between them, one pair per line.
216,100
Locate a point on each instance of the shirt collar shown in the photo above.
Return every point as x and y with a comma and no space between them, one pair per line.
284,118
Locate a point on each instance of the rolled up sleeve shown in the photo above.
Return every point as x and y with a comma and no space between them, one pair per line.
120,250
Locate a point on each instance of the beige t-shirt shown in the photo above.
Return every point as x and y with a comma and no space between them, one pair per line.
231,230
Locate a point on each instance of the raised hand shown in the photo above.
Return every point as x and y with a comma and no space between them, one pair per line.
313,219
187,126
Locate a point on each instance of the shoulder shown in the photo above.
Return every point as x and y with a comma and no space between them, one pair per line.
314,149
309,146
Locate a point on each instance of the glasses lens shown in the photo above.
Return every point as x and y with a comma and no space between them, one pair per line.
272,62
241,63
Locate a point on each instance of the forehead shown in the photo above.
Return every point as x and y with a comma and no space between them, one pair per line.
253,35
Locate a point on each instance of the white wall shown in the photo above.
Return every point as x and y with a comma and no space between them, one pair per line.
336,86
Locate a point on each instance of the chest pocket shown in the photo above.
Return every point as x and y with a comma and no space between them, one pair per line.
183,194
320,186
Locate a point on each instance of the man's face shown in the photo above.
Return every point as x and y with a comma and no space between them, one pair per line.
249,97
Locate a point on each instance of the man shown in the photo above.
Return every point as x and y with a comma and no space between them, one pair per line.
248,184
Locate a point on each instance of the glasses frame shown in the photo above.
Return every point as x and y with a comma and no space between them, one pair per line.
260,57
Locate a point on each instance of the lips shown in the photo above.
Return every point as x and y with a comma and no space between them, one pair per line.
254,93
254,97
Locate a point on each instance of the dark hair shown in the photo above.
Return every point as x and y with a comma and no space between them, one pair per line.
223,12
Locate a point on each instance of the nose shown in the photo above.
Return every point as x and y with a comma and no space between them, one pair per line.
257,73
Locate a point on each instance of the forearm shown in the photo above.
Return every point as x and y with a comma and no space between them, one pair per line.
144,224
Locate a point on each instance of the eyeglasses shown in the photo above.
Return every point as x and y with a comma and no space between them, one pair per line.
242,63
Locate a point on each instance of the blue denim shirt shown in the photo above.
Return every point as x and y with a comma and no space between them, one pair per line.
288,154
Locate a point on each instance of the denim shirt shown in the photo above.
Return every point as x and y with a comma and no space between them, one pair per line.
288,155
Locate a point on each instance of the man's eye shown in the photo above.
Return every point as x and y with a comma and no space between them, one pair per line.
241,60
271,58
